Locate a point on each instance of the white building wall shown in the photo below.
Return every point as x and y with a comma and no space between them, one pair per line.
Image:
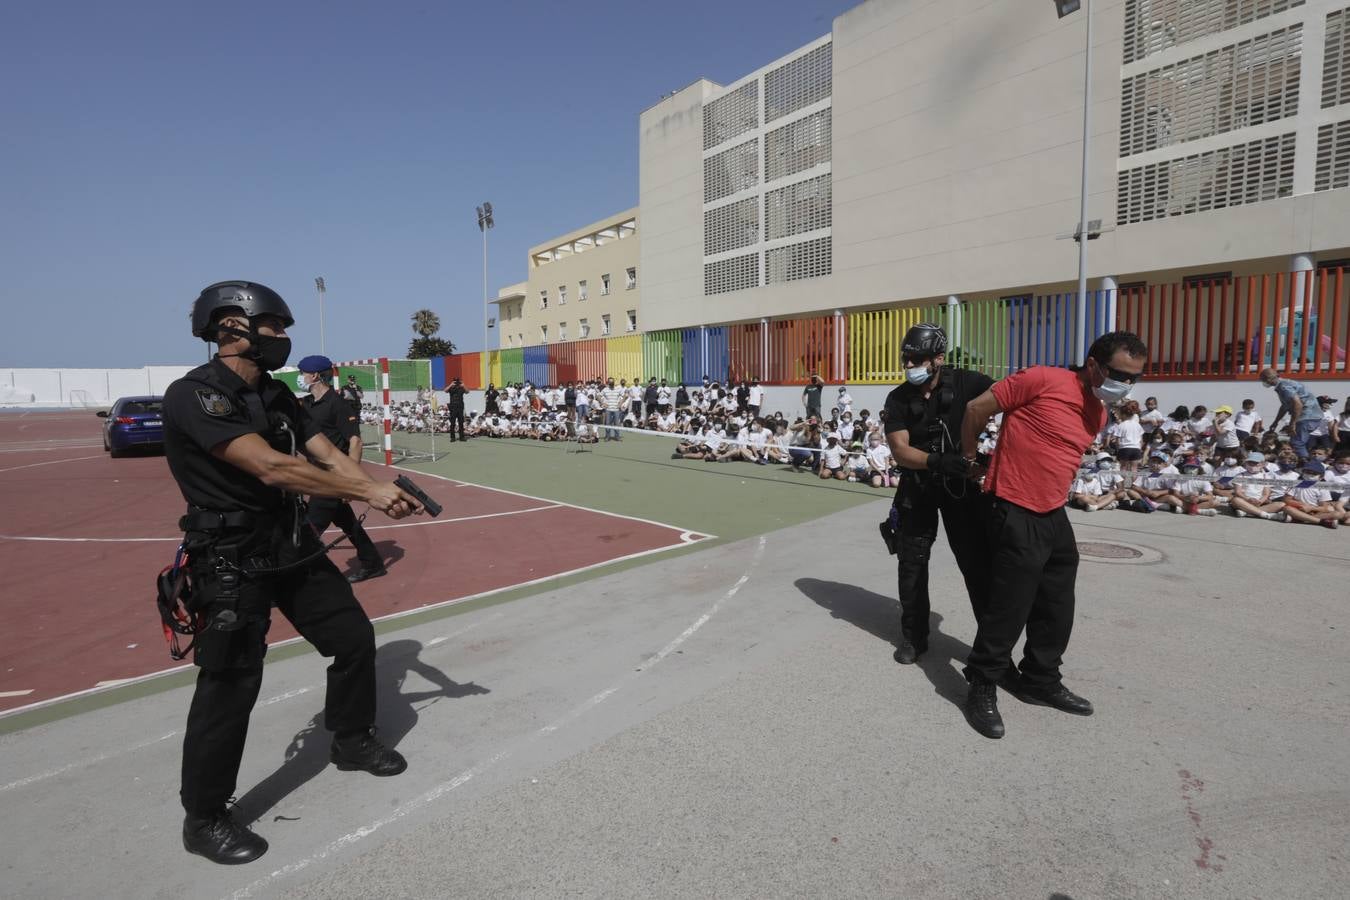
956,160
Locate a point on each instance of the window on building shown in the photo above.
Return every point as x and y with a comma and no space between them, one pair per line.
543,334
562,294
632,320
604,285
543,299
583,328
632,278
562,331
604,324
581,290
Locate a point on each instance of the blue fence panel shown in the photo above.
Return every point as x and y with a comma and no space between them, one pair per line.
718,361
536,365
691,347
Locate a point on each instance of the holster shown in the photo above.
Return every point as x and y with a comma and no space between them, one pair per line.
235,607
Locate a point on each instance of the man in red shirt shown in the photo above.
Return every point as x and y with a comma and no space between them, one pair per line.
1050,416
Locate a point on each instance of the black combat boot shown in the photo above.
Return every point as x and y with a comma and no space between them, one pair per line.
981,709
910,650
361,751
221,839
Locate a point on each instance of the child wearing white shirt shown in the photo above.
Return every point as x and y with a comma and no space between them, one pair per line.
1309,501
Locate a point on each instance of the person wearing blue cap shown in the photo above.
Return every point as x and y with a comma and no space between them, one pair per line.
341,425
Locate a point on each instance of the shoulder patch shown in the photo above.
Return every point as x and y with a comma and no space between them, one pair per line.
213,402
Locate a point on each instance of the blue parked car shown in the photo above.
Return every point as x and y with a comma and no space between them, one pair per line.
133,422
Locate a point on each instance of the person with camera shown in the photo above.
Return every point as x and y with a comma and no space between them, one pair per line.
454,400
243,451
340,425
923,428
351,392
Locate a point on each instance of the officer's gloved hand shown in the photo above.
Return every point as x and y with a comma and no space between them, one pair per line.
950,464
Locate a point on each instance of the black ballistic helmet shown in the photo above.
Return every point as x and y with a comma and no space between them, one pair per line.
924,340
252,298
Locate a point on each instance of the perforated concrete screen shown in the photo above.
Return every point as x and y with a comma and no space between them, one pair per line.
798,83
1335,66
1333,157
790,195
797,146
809,259
732,274
797,208
1152,26
1237,86
731,171
731,115
1232,176
731,227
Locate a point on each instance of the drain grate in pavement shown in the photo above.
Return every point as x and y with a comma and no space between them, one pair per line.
1104,550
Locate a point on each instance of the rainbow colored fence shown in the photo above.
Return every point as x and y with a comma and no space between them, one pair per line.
1229,328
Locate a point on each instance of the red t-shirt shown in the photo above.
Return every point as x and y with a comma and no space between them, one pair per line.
1049,418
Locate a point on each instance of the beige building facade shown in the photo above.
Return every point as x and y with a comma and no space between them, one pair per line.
583,284
922,150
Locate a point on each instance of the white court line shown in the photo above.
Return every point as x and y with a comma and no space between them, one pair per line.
50,462
469,774
287,695
387,618
602,512
16,693
141,540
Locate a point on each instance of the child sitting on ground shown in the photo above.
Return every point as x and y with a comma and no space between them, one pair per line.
1309,501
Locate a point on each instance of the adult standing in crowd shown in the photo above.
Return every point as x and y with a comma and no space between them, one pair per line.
454,393
755,399
1300,404
342,426
651,398
352,393
811,396
923,420
233,437
1050,417
490,399
613,400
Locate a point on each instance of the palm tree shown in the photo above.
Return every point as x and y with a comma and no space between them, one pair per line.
426,323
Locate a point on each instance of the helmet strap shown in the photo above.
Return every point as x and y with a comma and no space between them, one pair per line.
253,353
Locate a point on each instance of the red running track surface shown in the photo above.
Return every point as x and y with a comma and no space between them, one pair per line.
82,537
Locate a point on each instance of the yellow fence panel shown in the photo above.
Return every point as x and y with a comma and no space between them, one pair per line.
623,357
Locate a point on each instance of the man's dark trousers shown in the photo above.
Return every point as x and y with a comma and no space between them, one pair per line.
964,516
1032,572
456,421
319,603
325,511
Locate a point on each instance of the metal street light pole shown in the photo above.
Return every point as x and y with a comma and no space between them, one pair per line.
1064,8
485,222
319,285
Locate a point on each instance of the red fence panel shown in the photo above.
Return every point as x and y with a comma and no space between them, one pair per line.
563,359
590,359
799,348
745,346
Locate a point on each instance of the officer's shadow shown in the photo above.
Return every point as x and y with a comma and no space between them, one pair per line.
880,616
396,714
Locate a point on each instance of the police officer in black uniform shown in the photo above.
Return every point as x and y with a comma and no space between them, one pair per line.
923,428
338,422
232,437
454,392
352,393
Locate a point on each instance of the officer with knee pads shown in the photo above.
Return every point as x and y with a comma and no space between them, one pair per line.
923,427
233,438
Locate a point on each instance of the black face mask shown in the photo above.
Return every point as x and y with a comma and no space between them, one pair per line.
268,351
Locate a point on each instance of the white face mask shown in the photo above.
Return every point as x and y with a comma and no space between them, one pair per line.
917,375
1111,391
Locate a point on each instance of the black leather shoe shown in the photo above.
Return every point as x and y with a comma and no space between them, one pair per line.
909,651
981,709
363,753
221,839
363,574
1059,697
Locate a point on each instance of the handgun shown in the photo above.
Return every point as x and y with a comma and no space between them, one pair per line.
405,484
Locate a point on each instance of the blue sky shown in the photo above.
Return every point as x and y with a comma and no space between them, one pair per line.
151,148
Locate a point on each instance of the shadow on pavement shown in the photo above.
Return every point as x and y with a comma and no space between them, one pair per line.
880,616
396,714
390,552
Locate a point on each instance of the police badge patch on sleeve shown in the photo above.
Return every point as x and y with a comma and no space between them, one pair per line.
214,403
